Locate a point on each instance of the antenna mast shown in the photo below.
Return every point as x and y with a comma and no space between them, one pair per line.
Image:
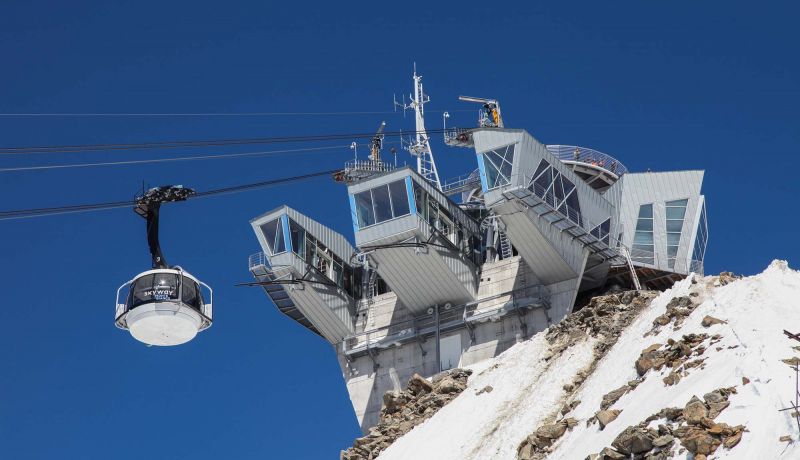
420,147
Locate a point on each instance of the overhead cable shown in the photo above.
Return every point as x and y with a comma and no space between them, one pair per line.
200,143
165,160
39,212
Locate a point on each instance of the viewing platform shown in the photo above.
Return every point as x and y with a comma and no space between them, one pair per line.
422,244
305,267
595,168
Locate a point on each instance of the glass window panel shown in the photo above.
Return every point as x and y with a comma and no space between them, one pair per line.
646,211
399,195
542,166
298,238
380,200
673,239
568,185
505,170
280,245
366,216
541,184
674,226
492,172
574,207
605,227
677,203
645,238
190,293
675,213
672,251
558,189
644,225
270,229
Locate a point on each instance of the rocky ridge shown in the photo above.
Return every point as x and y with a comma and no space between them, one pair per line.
403,410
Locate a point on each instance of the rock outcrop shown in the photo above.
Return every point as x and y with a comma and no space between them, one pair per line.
693,426
403,410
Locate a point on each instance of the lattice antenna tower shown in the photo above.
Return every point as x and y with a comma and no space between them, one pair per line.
420,145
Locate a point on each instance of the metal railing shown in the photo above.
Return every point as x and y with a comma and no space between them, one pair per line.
461,183
589,156
458,136
259,258
368,165
549,198
449,318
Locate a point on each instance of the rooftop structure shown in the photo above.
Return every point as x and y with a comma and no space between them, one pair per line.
433,283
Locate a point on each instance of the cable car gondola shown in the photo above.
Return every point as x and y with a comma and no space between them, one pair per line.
163,306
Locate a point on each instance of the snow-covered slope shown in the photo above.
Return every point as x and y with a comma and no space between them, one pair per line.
531,382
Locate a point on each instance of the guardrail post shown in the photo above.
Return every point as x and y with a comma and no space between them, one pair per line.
438,344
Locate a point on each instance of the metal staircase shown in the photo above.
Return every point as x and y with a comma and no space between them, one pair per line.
506,250
277,292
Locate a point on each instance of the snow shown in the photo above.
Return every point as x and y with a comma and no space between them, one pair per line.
527,390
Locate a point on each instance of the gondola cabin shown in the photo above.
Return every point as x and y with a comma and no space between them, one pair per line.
164,307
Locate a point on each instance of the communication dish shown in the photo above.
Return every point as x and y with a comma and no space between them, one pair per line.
163,306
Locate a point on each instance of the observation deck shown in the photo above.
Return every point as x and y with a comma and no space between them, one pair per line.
422,244
305,270
595,168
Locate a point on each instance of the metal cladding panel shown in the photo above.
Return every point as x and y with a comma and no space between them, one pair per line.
329,319
335,299
529,152
446,203
326,307
329,309
390,231
334,241
421,278
658,188
552,255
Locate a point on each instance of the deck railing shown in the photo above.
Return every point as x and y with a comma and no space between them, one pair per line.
578,154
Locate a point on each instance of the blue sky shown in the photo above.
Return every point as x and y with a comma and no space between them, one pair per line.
679,85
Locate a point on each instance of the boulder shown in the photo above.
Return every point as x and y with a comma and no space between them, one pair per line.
525,451
695,411
417,385
486,389
610,398
699,441
732,440
393,400
633,440
611,454
663,441
709,321
604,417
552,431
449,385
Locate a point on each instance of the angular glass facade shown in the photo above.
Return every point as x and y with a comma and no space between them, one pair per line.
320,259
273,233
700,242
675,213
601,232
643,248
557,191
381,203
498,164
447,225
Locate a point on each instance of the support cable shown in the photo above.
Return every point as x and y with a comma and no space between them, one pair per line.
190,144
38,212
